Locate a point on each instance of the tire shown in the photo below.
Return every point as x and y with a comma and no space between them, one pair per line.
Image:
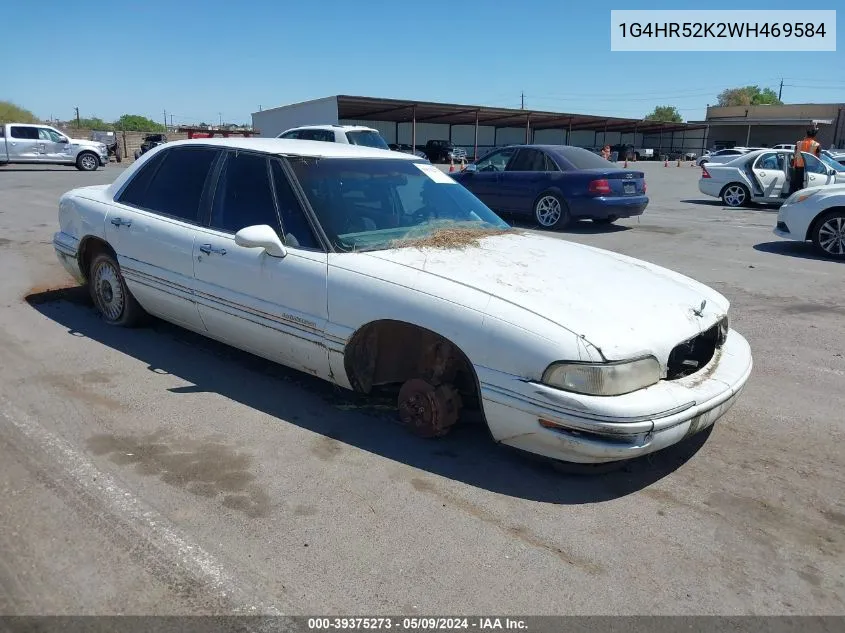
87,161
736,195
606,221
829,235
111,296
551,212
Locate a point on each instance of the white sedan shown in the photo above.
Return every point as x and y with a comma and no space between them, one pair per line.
370,268
816,214
762,176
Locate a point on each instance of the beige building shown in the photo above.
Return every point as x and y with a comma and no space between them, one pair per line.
768,125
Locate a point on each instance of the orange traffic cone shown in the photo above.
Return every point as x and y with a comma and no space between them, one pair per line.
626,163
451,166
679,162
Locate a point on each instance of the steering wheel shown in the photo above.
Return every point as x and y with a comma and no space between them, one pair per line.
421,215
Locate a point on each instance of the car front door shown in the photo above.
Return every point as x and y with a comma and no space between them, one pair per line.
525,176
50,146
485,181
769,170
152,229
23,144
816,173
274,307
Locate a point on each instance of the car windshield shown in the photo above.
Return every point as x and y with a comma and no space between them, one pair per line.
583,159
377,204
367,138
830,162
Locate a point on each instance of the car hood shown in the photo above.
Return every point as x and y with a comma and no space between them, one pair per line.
623,306
83,142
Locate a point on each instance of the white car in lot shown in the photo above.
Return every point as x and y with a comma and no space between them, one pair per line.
723,155
816,214
762,176
360,266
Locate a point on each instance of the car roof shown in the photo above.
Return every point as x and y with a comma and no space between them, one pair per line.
332,127
278,146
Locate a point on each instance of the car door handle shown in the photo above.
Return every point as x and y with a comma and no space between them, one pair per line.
208,249
121,222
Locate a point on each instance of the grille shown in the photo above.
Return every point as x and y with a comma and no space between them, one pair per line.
692,355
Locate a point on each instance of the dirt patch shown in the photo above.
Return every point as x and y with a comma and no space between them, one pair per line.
450,238
5,242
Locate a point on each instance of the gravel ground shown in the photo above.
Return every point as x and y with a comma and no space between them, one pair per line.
152,471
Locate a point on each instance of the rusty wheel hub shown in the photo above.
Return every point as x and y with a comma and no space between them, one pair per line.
428,411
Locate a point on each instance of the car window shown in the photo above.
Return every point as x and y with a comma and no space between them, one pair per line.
370,203
497,161
297,231
326,136
813,164
175,184
294,134
244,196
23,132
46,134
831,162
367,139
528,160
770,160
580,158
549,163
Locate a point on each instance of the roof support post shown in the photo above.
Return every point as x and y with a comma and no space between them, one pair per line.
604,136
495,135
413,128
748,136
569,132
528,128
396,132
475,154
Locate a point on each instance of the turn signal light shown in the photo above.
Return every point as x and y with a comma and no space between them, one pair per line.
600,187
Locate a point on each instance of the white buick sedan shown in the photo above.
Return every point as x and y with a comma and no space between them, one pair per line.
371,268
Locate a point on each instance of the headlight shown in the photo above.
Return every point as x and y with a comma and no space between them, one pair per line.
800,196
603,379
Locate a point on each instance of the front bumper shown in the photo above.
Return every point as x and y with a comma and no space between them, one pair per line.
605,429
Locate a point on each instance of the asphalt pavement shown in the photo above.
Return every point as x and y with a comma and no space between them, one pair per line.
156,472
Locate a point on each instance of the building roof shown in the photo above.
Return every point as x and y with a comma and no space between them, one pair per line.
404,111
763,121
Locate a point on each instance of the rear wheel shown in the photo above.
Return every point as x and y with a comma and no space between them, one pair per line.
829,234
551,211
110,294
735,195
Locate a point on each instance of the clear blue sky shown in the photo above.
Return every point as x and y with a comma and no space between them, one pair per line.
201,59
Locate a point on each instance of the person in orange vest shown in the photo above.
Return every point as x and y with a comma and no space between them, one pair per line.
810,145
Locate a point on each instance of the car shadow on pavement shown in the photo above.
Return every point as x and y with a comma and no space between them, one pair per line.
369,423
581,227
705,202
801,250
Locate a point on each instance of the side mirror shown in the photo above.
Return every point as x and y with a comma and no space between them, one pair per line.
471,168
261,236
831,171
64,139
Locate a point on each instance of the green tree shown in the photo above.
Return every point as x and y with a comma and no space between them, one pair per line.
13,113
137,123
669,114
748,95
95,123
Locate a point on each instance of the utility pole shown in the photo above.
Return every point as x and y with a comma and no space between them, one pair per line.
77,117
220,114
171,120
522,106
780,90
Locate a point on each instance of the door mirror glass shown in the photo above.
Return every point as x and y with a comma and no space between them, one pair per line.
63,139
261,236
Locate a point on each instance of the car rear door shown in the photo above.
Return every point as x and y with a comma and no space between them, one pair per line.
23,144
523,179
152,228
274,307
769,172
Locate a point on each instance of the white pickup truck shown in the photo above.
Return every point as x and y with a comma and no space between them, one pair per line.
42,144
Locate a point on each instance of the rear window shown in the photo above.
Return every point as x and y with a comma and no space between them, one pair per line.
581,158
367,138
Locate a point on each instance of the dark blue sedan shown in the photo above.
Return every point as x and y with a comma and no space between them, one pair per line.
556,184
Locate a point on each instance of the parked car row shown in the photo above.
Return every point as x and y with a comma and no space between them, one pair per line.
375,270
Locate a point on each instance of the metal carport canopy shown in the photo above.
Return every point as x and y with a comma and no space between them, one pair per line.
404,111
